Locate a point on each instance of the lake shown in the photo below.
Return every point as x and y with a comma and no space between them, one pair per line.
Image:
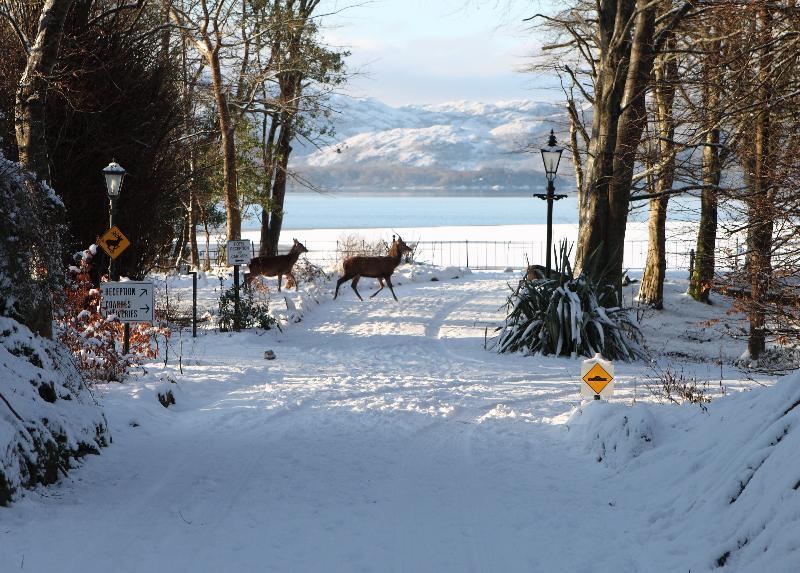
359,211
348,210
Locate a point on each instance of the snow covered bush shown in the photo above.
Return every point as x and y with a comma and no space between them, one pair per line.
164,393
569,316
31,227
94,340
613,433
48,418
307,272
253,308
669,385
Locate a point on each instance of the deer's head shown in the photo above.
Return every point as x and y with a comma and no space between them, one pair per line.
298,247
399,247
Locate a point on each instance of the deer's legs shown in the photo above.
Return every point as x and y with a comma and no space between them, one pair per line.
354,284
389,282
380,280
294,280
279,282
339,283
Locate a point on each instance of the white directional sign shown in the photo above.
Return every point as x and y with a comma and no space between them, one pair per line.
239,252
130,301
598,378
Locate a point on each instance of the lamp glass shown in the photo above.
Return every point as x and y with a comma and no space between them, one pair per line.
114,173
551,156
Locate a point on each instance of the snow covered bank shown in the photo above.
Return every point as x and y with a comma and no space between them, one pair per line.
47,416
723,484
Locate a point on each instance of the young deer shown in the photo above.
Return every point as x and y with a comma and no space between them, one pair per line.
276,266
380,268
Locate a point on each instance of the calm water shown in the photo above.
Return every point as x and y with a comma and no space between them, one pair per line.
359,211
314,211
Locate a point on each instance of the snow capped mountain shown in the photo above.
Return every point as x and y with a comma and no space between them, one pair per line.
441,145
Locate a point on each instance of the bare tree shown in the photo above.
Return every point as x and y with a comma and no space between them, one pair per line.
616,42
651,290
207,25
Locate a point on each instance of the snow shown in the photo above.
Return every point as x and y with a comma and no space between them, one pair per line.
384,437
45,410
462,136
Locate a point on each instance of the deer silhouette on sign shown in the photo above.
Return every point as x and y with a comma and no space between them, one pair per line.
113,244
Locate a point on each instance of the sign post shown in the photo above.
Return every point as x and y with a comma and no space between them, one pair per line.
184,270
113,242
194,304
239,253
597,378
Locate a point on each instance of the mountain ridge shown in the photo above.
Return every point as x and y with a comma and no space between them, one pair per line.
461,143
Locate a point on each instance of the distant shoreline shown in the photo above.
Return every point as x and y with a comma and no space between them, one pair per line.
423,192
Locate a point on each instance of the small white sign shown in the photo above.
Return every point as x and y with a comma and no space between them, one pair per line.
239,252
597,378
130,301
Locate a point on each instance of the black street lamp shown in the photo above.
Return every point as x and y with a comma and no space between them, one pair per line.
113,173
551,156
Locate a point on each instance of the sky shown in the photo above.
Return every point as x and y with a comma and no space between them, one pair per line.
424,52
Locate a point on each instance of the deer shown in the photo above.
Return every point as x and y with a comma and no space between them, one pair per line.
380,268
279,265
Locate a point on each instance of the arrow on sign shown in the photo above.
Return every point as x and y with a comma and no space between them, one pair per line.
145,308
144,292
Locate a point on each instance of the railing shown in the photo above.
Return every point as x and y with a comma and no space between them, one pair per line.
498,255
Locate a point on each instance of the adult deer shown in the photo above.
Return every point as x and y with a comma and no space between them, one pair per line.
380,268
276,266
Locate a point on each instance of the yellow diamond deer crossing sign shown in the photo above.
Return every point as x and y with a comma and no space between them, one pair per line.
597,375
114,242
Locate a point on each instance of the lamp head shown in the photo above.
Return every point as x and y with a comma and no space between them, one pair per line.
113,173
551,156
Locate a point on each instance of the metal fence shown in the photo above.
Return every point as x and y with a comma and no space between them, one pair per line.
495,255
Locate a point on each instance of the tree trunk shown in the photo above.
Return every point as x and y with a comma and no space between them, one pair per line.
268,159
29,124
703,271
652,288
32,91
759,233
651,291
207,258
279,186
180,244
188,96
195,254
228,143
702,276
577,164
609,89
624,72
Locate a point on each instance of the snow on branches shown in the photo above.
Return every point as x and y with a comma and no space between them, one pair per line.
95,340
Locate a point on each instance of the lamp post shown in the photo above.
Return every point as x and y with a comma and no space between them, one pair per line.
551,156
113,173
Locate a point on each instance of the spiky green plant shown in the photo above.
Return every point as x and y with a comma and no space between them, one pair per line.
568,316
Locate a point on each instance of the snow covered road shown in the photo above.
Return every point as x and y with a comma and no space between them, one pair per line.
383,438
